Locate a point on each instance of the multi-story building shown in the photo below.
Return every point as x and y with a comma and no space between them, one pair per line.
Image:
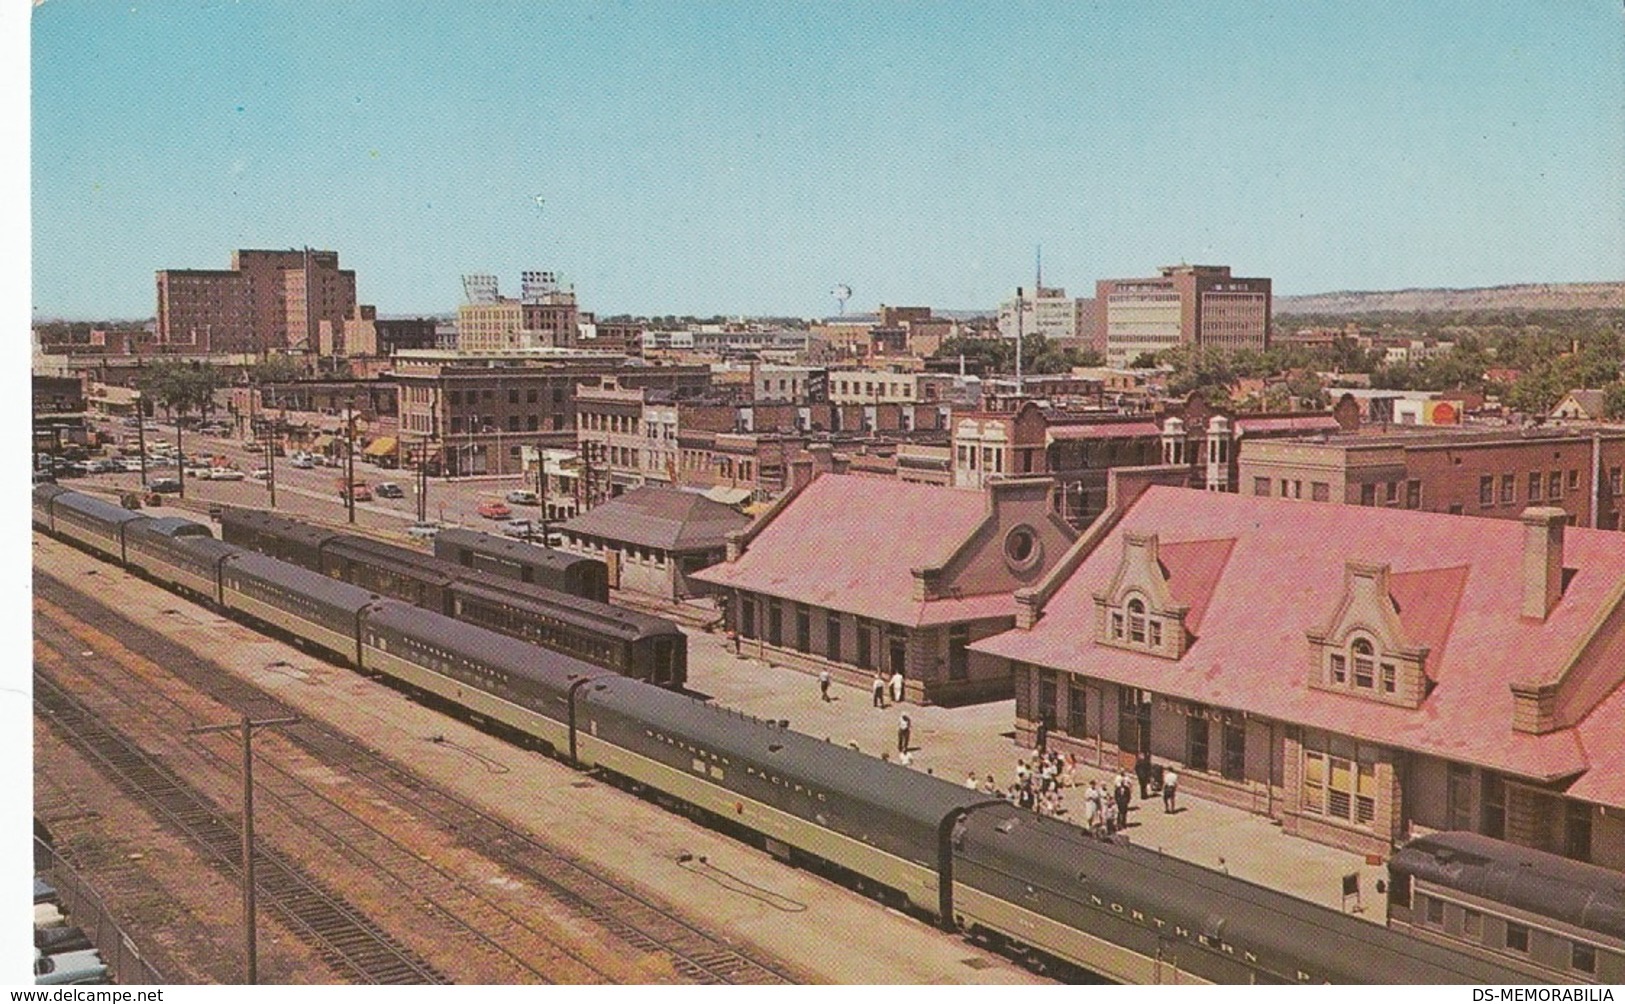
1044,310
1473,472
478,412
490,326
864,386
1359,676
786,384
267,300
1185,305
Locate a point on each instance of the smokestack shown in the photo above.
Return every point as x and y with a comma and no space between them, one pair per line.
1542,559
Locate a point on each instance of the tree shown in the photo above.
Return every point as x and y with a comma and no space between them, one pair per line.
180,387
1613,402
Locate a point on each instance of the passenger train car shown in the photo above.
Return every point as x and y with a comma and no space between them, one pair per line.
633,644
969,862
527,563
1559,919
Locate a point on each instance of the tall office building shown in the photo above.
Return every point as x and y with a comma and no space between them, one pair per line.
267,300
1185,305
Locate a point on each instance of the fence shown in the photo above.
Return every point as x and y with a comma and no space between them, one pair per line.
86,911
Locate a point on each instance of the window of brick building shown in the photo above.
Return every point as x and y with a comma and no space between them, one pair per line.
1368,494
866,658
1196,733
1233,740
1534,486
1077,705
1392,493
1048,691
1554,486
1320,491
832,637
1574,481
1509,489
1261,487
747,618
1517,937
1486,490
1413,494
1616,480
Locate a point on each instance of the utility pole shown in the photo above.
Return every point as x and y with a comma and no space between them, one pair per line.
246,727
349,460
140,434
270,464
423,481
180,457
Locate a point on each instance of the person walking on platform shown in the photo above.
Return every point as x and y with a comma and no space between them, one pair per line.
878,689
897,687
903,728
823,684
1124,791
1170,788
1142,770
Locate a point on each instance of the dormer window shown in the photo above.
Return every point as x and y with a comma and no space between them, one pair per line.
1117,625
1340,668
1365,663
1136,621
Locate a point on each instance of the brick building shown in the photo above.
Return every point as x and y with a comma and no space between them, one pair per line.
654,538
479,413
858,575
267,300
1490,472
1360,676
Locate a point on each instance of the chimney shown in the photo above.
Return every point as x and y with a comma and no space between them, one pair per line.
1542,559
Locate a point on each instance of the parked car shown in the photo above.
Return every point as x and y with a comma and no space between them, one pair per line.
388,490
493,509
51,940
517,528
48,915
520,496
69,967
225,474
260,474
44,892
164,486
359,489
423,531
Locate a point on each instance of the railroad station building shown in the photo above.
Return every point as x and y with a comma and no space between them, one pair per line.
1360,676
858,574
654,538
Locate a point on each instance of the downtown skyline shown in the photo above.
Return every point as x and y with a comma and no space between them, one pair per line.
745,159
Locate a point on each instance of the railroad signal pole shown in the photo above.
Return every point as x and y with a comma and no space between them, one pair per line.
246,727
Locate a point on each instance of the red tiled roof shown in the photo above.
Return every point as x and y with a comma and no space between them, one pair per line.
1193,569
848,543
1456,584
1105,430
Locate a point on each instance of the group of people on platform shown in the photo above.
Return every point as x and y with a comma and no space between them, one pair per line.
1039,785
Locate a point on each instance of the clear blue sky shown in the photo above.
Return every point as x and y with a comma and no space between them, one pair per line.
745,158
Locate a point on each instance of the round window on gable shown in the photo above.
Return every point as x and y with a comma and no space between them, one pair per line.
1022,549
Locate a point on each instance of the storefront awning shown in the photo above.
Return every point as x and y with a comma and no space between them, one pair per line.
383,446
321,442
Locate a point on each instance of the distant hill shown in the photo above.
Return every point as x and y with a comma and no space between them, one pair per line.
1530,296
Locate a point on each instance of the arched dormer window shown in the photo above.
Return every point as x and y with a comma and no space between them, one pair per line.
1136,621
1364,658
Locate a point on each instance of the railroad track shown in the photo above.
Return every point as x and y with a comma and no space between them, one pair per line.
692,953
342,935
